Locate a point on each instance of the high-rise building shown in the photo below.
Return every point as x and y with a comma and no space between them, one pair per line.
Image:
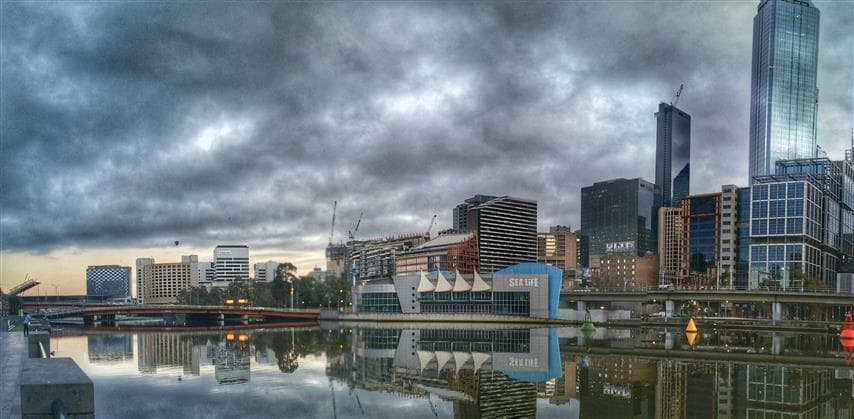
619,210
582,246
701,222
559,247
670,244
784,92
672,154
164,281
232,264
337,260
266,271
742,228
140,284
207,274
108,281
506,229
461,211
728,235
802,222
374,259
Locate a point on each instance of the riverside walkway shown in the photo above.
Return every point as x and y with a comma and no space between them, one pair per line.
13,350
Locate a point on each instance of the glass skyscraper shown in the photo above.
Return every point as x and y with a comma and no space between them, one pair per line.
672,154
784,94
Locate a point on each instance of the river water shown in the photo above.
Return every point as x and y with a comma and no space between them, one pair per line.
448,370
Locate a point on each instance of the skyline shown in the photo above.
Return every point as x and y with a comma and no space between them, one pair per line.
534,102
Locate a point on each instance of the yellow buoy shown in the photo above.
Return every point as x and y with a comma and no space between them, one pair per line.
691,328
691,336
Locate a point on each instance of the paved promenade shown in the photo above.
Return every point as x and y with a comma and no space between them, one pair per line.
13,350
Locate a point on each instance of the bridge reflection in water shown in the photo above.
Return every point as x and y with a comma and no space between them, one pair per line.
467,372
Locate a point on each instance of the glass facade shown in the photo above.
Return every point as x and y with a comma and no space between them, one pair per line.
701,220
379,302
515,303
672,154
619,210
784,92
743,239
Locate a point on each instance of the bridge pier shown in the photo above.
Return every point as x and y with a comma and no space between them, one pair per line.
776,343
109,319
244,319
668,308
668,339
776,312
581,306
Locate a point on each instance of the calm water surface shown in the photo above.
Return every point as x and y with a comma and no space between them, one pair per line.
463,372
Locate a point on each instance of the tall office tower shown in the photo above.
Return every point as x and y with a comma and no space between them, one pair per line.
619,211
108,281
672,154
232,263
783,91
701,239
669,244
461,211
140,284
266,271
506,230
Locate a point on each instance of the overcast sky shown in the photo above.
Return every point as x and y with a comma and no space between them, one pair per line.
127,126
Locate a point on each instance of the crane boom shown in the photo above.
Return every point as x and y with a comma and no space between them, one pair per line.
352,233
430,227
332,230
678,94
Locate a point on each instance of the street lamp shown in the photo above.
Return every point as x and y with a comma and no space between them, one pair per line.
56,291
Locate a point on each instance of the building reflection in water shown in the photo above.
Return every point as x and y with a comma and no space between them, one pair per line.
166,352
502,373
106,349
483,373
231,359
185,353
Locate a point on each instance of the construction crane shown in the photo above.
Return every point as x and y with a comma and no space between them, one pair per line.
352,233
678,95
332,230
430,227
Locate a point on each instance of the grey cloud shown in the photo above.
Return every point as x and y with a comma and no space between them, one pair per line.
129,124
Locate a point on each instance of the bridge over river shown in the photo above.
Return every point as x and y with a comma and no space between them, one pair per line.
777,302
108,313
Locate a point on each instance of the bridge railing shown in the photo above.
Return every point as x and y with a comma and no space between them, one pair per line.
640,290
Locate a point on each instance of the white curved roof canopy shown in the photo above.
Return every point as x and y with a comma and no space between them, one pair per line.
442,284
424,285
479,284
460,284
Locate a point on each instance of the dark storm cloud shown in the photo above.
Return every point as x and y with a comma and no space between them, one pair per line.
130,124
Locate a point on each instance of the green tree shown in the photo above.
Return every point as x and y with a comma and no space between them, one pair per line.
15,304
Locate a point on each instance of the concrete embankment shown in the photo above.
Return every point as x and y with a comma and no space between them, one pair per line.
34,385
13,351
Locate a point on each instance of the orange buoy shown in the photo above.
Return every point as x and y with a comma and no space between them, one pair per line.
691,336
691,328
846,337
